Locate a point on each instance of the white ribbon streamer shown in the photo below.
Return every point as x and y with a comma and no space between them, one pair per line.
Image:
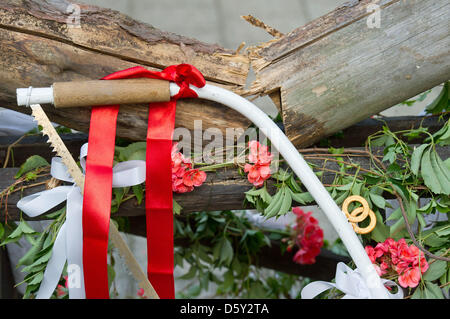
348,281
68,245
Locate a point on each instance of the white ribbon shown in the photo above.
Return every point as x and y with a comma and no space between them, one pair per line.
348,281
68,244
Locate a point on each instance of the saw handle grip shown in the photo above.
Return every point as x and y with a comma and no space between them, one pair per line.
101,92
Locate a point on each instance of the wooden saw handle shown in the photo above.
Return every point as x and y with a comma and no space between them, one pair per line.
111,92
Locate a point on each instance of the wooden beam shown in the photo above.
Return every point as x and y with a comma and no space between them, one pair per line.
222,190
336,71
352,136
38,47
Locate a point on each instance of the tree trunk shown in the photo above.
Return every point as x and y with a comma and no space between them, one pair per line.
38,47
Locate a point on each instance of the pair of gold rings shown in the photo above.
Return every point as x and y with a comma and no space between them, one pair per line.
359,214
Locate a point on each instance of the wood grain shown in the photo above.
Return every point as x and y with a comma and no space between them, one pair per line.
38,48
335,71
222,190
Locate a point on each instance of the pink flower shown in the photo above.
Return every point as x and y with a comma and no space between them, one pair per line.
308,236
373,253
194,177
398,258
60,291
257,174
259,153
410,278
184,178
260,156
140,293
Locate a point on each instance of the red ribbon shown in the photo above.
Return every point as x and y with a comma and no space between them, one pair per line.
98,184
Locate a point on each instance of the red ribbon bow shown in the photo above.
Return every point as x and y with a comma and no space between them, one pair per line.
98,183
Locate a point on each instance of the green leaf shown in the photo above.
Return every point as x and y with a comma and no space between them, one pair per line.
254,191
30,289
265,196
138,191
21,229
37,278
302,198
26,229
341,198
30,164
434,240
39,262
428,173
440,172
418,293
2,231
436,270
190,274
381,231
256,291
28,258
275,204
345,187
442,137
294,184
378,200
286,202
421,221
432,291
131,151
441,103
356,189
176,207
444,231
282,175
416,158
223,251
396,214
398,225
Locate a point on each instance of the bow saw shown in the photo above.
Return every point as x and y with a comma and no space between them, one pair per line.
129,91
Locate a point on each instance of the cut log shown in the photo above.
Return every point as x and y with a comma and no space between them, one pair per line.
324,77
336,71
222,190
38,47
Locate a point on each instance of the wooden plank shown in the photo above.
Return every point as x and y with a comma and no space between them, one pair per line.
335,71
222,190
38,48
352,136
356,135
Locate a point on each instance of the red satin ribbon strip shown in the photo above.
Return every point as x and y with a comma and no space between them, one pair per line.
158,198
98,184
97,200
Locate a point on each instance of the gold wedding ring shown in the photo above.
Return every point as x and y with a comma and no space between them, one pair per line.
359,214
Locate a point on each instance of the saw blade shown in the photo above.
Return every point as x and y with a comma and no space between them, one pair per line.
60,148
58,145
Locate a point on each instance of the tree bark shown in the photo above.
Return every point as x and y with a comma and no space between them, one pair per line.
336,71
38,47
324,76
